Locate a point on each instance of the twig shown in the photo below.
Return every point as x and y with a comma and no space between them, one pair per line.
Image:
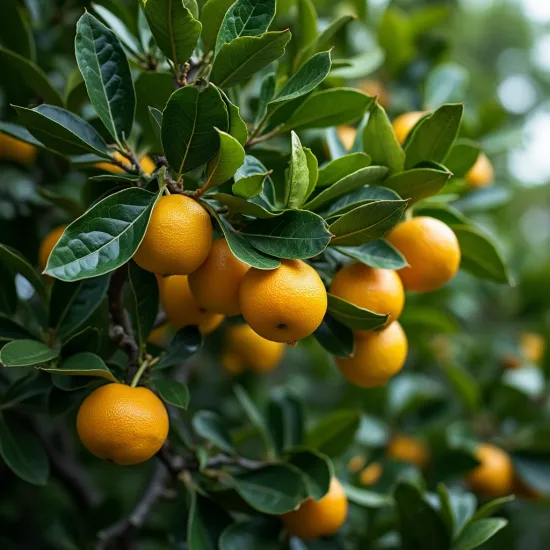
264,137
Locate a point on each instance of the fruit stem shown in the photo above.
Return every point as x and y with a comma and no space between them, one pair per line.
139,373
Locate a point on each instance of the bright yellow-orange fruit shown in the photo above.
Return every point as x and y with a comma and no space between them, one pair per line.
181,307
178,238
495,475
379,290
285,304
403,124
379,355
481,174
432,252
347,135
215,285
146,162
17,150
319,518
161,336
532,346
371,474
47,244
123,424
405,448
256,353
377,89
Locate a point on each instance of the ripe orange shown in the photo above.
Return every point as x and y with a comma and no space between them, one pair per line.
161,336
379,355
533,346
405,448
481,174
146,162
254,352
319,518
47,244
181,308
379,290
431,249
347,135
371,474
403,124
17,150
285,304
123,424
178,238
495,475
215,285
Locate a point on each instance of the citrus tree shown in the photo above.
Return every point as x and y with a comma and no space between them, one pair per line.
215,189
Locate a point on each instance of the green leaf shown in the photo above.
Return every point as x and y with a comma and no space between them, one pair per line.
274,489
489,508
307,78
396,38
107,75
307,24
447,214
295,234
351,182
245,18
462,157
226,162
186,342
335,337
380,143
25,353
478,532
446,83
173,392
250,178
337,169
456,508
465,385
433,137
21,133
418,183
316,469
334,433
359,66
71,304
267,92
242,206
380,254
329,108
207,522
366,223
8,291
68,204
175,29
95,244
15,30
313,171
237,126
352,316
16,262
211,426
88,339
480,256
430,318
365,498
189,123
22,452
357,198
257,533
83,364
119,27
213,13
10,330
144,301
285,416
246,55
31,75
297,183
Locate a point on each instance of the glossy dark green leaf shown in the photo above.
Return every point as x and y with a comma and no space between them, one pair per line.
212,15
462,157
15,30
22,452
285,417
71,304
257,533
207,521
307,24
446,83
479,532
446,213
313,171
95,244
295,234
250,178
357,198
25,353
242,206
83,364
88,339
237,126
380,143
334,433
457,508
418,183
119,27
366,498
433,137
490,507
245,18
367,223
210,426
352,316
316,469
21,133
10,330
297,182
107,75
189,123
144,301
339,168
267,92
173,392
246,55
17,263
380,254
155,117
226,162
186,342
335,337
175,29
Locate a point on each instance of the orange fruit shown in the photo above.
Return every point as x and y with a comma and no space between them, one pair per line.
495,475
232,364
47,245
181,307
379,290
356,463
405,448
256,353
161,336
431,249
532,346
178,237
379,355
285,304
403,124
377,89
123,424
371,474
146,162
481,174
347,135
319,518
215,284
17,150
